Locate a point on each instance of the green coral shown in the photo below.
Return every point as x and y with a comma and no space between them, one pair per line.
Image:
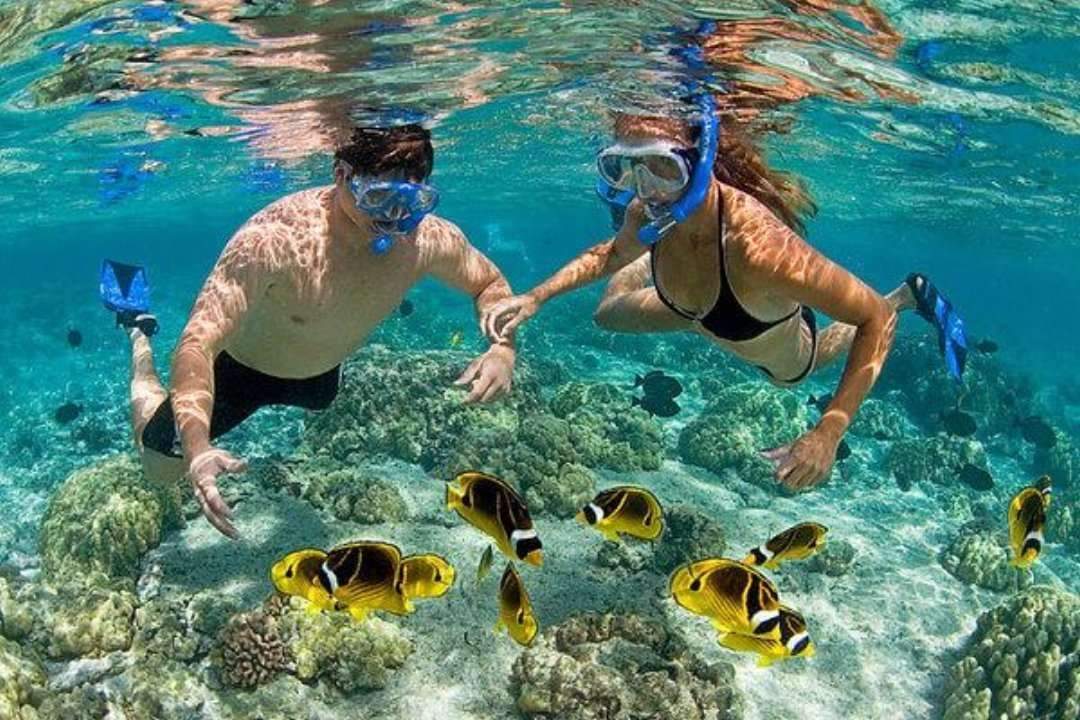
737,425
102,520
352,494
620,667
21,680
978,557
91,622
1020,662
688,535
607,430
882,420
351,656
935,459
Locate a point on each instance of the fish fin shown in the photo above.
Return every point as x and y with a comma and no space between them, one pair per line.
454,494
744,643
764,661
635,402
611,535
638,380
359,614
771,564
312,609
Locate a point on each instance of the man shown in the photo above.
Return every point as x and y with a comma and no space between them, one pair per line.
296,290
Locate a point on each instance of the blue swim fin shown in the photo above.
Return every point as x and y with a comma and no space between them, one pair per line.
126,291
939,312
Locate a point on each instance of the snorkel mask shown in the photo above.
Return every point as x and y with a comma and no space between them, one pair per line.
395,207
660,168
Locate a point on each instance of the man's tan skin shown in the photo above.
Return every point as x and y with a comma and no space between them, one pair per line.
771,270
294,293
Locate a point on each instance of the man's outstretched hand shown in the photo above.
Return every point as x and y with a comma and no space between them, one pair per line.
203,471
489,376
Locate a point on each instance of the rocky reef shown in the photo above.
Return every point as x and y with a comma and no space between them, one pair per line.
620,667
1021,662
936,460
979,556
740,422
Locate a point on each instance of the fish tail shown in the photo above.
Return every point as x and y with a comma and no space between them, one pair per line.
638,380
635,401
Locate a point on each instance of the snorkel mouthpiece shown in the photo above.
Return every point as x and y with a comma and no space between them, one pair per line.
685,206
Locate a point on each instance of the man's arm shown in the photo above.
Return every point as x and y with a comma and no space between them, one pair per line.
787,266
449,257
235,283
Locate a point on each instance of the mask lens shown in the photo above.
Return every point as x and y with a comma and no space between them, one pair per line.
615,169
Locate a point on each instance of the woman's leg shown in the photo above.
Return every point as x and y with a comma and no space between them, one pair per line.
631,305
836,339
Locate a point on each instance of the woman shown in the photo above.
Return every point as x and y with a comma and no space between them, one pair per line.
710,243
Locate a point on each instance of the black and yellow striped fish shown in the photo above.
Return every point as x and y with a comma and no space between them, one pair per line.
735,597
796,543
624,509
493,507
298,574
426,576
365,576
794,640
1027,518
516,614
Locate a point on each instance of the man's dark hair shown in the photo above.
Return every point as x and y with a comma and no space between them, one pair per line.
378,150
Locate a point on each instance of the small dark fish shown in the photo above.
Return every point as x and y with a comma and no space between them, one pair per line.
1038,432
406,308
843,451
986,346
67,412
74,338
881,435
821,403
958,423
659,407
976,477
657,384
903,483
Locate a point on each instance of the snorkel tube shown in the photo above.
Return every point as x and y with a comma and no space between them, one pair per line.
695,193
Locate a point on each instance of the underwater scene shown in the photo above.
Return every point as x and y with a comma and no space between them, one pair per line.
578,360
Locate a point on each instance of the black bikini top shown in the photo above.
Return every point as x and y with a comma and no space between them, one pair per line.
728,319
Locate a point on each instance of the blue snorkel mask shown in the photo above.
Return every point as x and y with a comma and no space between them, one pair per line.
695,193
396,208
622,167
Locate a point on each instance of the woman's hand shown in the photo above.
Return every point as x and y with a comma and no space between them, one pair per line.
501,319
805,462
490,374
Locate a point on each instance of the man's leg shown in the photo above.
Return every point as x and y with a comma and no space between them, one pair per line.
147,394
631,305
836,339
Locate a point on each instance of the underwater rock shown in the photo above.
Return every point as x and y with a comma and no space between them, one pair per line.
85,703
404,404
253,650
351,656
353,494
978,557
882,420
624,557
103,519
16,617
737,425
620,667
689,534
1018,661
22,680
1060,462
90,622
834,560
935,459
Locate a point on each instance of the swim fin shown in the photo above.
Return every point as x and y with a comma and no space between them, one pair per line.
939,312
126,291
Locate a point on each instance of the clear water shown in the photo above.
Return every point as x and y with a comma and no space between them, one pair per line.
948,145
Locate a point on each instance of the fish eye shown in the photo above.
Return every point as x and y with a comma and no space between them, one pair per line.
695,586
438,576
521,617
289,571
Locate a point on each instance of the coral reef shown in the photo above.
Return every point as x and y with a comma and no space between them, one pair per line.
978,556
882,420
16,617
91,622
618,667
21,680
1020,662
689,534
102,520
737,425
253,650
935,459
834,560
349,655
352,494
607,430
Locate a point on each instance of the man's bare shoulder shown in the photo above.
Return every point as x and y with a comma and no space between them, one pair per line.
284,226
437,235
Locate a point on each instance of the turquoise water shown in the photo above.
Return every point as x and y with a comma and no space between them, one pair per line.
946,142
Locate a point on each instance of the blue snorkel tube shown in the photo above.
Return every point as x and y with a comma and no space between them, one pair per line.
685,206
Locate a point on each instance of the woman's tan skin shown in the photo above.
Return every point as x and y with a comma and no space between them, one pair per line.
295,292
771,270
